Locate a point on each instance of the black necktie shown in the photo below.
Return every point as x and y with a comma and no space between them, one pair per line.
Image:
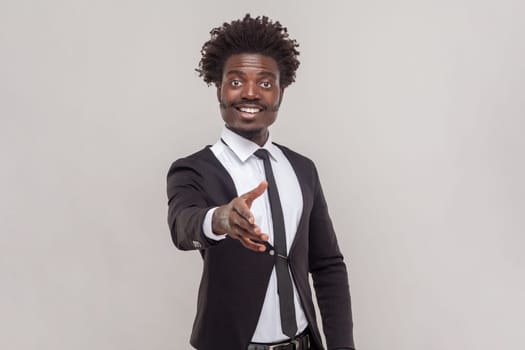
284,281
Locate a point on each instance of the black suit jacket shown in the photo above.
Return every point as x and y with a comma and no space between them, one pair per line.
235,279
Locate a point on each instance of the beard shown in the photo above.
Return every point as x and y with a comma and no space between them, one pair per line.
249,134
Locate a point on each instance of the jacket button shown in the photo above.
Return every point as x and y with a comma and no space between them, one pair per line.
271,252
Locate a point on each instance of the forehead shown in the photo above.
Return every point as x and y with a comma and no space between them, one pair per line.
251,63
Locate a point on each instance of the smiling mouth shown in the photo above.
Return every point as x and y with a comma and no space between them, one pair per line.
251,110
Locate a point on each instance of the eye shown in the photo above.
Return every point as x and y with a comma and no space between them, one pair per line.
266,84
236,83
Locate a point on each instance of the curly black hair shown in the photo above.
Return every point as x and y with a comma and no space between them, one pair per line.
249,35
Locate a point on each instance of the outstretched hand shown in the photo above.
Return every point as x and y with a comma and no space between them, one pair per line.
236,219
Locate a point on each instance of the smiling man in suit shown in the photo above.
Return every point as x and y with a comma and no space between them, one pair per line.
255,209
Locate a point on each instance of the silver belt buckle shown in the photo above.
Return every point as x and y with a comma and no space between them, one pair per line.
294,342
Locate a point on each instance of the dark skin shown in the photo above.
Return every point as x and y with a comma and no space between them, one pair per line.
249,97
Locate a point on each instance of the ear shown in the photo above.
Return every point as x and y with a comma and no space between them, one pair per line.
281,94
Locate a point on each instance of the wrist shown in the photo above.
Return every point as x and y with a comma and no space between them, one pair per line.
217,221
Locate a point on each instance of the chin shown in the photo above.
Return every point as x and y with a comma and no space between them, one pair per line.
248,133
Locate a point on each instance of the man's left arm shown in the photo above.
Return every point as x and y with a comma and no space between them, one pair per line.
329,276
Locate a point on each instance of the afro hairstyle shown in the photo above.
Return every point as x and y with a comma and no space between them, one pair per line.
257,35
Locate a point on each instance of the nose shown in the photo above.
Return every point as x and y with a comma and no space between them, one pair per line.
250,91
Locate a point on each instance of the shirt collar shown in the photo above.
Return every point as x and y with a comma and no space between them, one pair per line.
244,148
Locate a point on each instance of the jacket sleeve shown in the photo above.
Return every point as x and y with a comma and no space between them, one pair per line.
188,204
329,276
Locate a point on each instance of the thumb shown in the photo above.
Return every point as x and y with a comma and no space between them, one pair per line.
250,196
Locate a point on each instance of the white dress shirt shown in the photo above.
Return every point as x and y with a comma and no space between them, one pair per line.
247,171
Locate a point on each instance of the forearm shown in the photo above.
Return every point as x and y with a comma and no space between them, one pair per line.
330,281
186,227
187,208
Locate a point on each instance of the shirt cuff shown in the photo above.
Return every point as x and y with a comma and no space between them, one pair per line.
207,226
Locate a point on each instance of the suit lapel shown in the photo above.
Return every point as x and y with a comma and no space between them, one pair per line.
222,172
305,180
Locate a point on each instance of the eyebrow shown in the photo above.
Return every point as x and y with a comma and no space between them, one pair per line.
261,73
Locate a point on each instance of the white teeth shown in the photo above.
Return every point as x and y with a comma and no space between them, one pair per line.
249,110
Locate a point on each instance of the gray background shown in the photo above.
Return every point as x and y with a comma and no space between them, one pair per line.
413,111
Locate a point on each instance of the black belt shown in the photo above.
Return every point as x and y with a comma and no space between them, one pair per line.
301,342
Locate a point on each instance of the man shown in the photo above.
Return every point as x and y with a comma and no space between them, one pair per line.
255,209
